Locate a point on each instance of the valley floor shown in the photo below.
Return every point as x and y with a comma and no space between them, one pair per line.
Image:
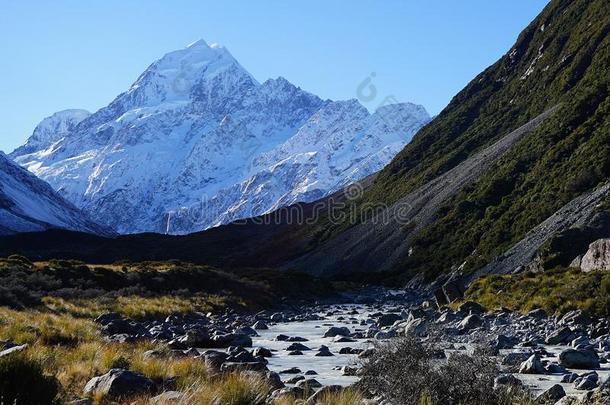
231,340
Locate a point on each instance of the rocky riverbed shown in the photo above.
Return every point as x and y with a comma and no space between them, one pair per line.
322,346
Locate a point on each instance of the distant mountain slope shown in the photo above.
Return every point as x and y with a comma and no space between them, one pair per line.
28,204
197,142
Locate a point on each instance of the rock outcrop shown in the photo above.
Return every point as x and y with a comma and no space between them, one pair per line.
597,257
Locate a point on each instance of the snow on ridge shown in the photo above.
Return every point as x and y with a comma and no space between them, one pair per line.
196,142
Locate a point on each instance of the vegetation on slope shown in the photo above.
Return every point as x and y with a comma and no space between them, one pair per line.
563,57
149,287
557,291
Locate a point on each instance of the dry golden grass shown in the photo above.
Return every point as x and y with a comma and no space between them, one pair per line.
135,307
68,345
73,350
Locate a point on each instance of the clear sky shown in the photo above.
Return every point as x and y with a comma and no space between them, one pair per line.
81,54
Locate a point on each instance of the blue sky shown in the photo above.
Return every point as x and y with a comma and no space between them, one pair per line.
76,54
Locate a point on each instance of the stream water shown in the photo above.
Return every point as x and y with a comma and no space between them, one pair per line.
328,369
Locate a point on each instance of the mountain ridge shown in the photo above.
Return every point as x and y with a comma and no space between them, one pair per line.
28,204
197,142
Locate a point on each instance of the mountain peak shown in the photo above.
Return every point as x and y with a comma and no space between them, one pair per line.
53,128
200,43
195,124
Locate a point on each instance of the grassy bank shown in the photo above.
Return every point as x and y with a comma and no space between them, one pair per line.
149,288
50,306
556,291
71,350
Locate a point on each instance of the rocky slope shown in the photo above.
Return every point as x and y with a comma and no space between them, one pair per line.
28,204
197,142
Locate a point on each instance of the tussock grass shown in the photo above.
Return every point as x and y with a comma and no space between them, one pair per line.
557,291
138,307
51,306
71,350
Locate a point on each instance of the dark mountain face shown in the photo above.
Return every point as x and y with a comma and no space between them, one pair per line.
528,137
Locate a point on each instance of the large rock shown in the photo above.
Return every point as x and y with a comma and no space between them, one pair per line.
232,367
597,257
192,338
336,331
471,307
260,325
552,395
580,359
576,318
119,383
118,326
414,326
470,322
232,339
14,349
532,365
329,389
388,320
560,336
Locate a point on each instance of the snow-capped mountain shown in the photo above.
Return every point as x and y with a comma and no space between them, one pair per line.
196,142
52,129
28,204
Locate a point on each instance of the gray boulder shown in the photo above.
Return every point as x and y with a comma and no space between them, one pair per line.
119,383
324,351
538,314
532,365
388,320
260,325
262,352
14,349
471,307
329,389
297,346
586,383
233,367
560,336
470,322
579,359
576,317
597,257
552,395
288,392
308,384
336,331
192,338
569,378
